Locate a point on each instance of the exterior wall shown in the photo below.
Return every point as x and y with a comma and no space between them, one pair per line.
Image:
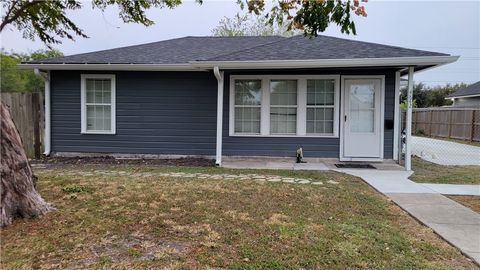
156,113
174,113
313,147
467,102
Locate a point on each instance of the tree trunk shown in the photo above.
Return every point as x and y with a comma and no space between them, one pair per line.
19,196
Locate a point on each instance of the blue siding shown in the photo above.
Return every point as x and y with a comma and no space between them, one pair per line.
157,113
175,113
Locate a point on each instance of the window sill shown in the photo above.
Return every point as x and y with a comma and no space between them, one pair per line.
98,132
284,136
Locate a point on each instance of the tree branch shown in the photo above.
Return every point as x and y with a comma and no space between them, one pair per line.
18,13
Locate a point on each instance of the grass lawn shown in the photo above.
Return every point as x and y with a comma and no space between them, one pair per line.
138,219
428,172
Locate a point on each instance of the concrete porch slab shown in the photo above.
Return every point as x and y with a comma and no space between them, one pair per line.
286,163
273,163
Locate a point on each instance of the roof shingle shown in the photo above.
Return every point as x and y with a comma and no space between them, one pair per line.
471,90
248,48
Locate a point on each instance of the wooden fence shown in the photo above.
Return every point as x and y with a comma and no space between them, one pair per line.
28,116
451,123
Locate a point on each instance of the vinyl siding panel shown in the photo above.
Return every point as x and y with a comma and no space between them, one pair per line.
175,113
157,113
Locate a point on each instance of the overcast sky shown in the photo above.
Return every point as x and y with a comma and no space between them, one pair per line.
451,27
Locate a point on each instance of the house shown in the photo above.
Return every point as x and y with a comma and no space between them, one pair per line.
466,97
231,96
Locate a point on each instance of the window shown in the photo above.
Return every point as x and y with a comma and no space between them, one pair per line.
248,103
283,106
320,106
98,104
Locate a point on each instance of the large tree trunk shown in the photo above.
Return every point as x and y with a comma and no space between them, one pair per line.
19,197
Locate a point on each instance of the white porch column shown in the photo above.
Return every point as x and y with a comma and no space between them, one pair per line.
219,76
47,131
408,123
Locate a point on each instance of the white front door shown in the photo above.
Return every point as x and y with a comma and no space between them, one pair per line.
362,123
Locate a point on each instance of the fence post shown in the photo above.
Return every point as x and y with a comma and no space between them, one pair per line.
472,132
450,124
36,124
430,113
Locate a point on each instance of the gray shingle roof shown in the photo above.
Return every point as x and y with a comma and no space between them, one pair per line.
173,51
473,89
186,49
321,47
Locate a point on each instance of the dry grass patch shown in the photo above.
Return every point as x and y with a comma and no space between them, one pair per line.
129,222
428,172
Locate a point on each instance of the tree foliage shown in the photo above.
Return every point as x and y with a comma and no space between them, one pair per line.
311,16
13,79
425,96
48,20
250,25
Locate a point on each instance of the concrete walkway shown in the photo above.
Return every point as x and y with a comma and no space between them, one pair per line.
455,223
445,152
451,189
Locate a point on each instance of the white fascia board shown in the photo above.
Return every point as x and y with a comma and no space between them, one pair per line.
132,67
321,63
264,64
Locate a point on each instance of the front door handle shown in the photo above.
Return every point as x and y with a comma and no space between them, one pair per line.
345,118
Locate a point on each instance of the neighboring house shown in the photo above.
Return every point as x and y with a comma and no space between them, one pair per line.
466,97
231,96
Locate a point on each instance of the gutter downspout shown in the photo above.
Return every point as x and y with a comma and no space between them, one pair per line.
219,76
46,137
408,135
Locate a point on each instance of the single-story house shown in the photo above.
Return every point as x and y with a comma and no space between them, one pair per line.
231,96
468,97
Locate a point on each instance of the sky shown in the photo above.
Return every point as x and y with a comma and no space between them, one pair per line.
451,27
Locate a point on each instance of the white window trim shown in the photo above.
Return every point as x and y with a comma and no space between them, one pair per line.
301,109
112,104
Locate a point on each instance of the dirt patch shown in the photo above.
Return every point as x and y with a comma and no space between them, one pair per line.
112,251
108,160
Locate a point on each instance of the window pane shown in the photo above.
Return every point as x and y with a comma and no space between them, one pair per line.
283,120
98,117
98,96
98,85
247,120
283,92
98,91
90,84
320,92
362,108
106,85
320,120
90,96
248,92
